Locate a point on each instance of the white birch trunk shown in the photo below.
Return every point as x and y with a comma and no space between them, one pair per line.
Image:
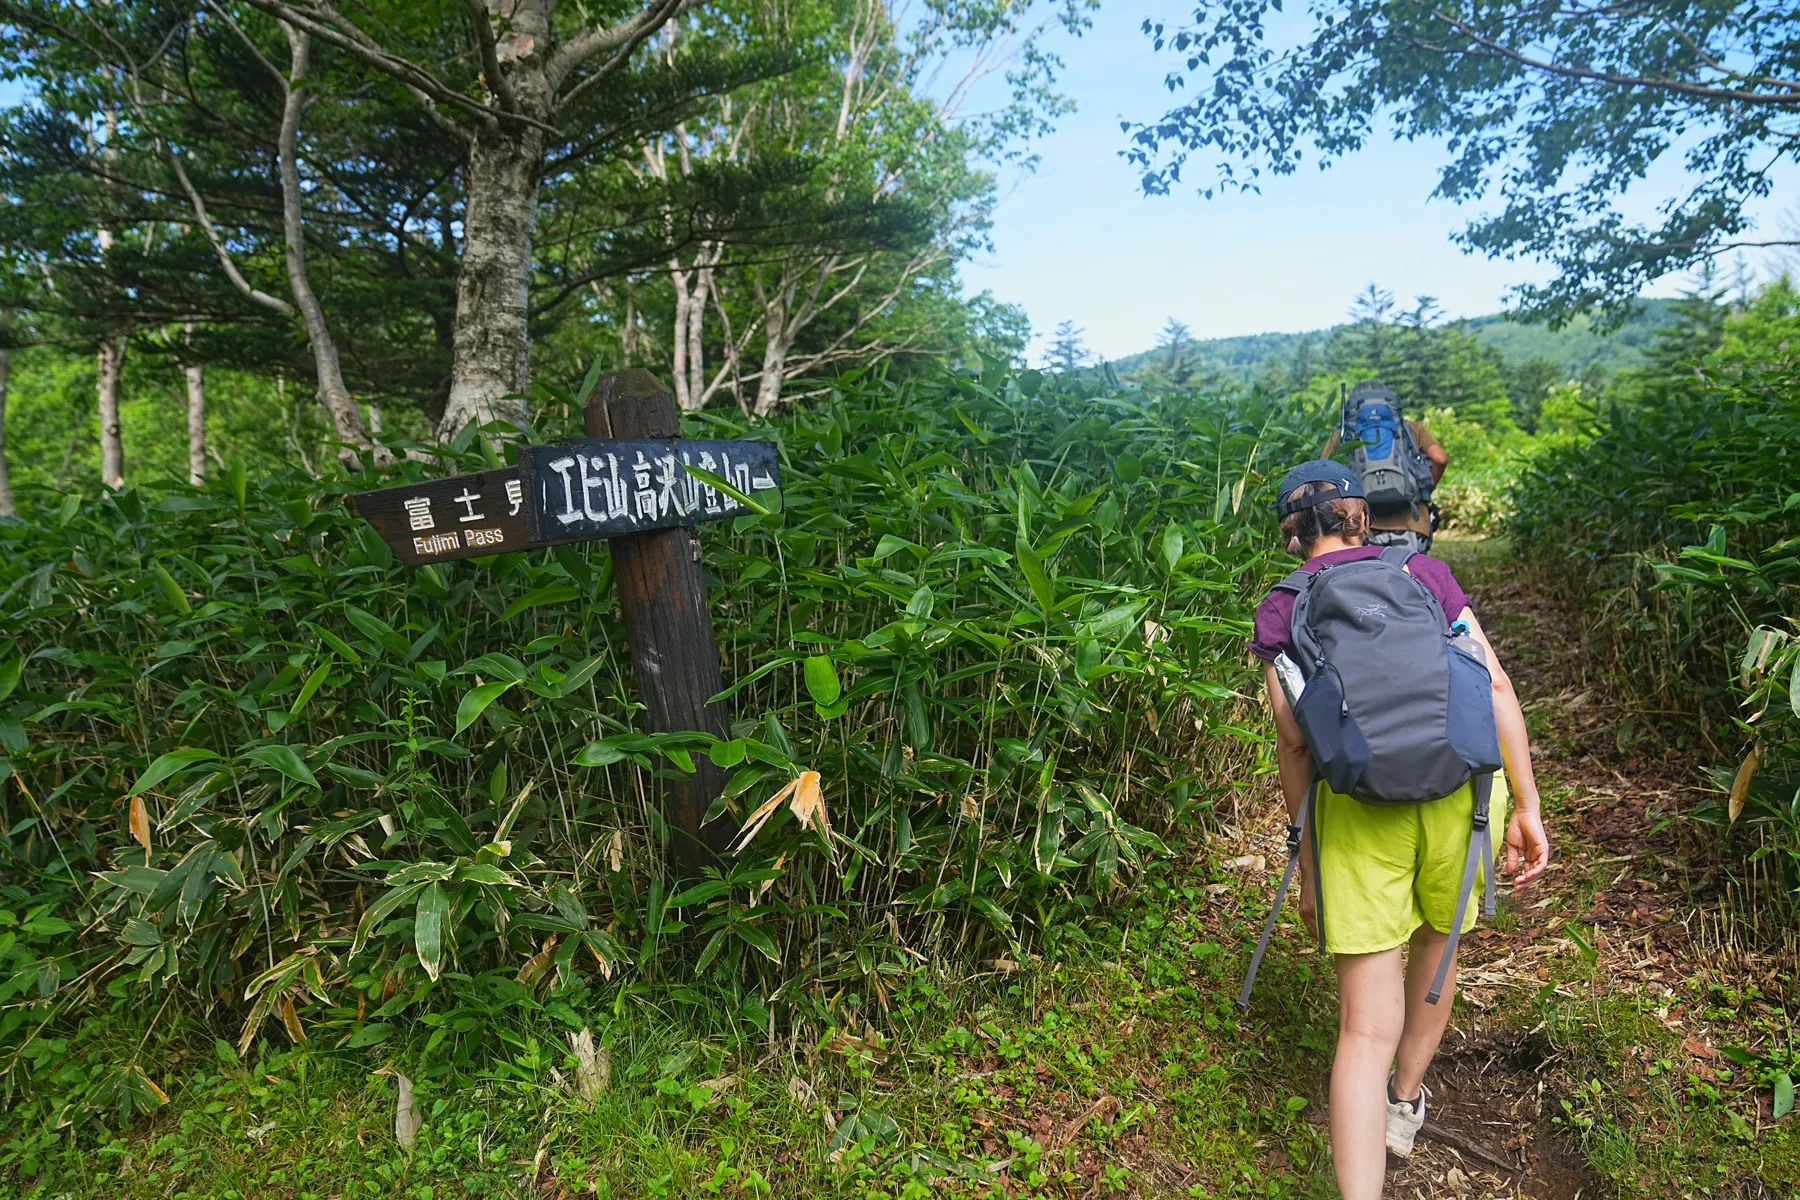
196,422
777,341
7,508
333,394
678,339
490,359
109,364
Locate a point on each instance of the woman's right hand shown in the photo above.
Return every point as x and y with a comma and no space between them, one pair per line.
1307,901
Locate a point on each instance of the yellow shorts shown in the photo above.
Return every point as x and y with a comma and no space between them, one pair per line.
1387,869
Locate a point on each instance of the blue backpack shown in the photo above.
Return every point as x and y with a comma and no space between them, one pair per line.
1394,473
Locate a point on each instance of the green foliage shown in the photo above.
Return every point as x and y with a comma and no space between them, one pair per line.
1560,110
1484,456
256,771
1579,350
1580,344
1427,364
1674,504
52,436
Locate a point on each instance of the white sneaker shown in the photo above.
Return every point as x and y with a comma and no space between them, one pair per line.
1404,1120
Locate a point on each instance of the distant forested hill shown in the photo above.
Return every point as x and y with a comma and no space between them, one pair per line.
1575,347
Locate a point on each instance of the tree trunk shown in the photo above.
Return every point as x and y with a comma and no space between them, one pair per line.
777,341
490,362
332,393
628,332
678,336
110,363
196,415
7,509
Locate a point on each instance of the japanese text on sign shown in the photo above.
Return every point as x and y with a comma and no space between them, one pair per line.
604,487
459,517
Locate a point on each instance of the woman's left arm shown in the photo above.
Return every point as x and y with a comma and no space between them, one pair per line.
1527,846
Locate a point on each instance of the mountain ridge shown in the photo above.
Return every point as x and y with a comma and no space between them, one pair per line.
1576,348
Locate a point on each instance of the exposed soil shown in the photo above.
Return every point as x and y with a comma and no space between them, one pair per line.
1490,1124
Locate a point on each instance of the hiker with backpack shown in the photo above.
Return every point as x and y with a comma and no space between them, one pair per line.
1397,734
1398,463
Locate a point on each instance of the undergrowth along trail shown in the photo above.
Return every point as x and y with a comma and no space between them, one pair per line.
1595,1052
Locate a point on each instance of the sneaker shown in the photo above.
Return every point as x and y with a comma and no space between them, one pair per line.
1404,1120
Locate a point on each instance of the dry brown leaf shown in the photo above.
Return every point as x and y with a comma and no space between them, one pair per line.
804,798
809,803
140,823
534,966
1740,787
1698,1048
762,889
291,1019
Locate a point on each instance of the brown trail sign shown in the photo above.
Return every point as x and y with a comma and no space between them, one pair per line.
462,516
625,482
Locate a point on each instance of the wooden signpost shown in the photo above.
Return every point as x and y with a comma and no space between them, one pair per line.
626,482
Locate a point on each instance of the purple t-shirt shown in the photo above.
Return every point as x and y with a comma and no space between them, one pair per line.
1274,616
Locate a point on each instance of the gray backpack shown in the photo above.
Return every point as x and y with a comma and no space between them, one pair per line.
1396,709
1394,473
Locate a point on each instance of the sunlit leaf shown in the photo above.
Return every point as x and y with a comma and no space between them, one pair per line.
556,593
168,765
476,702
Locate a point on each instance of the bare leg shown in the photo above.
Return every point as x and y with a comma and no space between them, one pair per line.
1371,1015
1425,1023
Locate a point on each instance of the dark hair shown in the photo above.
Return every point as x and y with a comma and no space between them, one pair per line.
1347,518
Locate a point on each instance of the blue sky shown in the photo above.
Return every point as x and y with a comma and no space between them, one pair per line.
1078,240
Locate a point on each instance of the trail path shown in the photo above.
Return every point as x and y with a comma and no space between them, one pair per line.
1585,1057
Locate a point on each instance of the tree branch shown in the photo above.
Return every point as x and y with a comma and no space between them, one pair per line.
490,56
273,303
1787,99
626,37
336,31
589,42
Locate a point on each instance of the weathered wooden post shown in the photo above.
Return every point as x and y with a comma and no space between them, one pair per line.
662,594
629,482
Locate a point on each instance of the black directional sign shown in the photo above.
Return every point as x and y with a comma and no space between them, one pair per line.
573,492
604,487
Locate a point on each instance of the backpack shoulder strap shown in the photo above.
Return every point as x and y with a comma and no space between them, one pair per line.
1296,581
1397,556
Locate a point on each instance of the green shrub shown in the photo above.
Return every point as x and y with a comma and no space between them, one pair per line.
257,771
1484,450
1676,520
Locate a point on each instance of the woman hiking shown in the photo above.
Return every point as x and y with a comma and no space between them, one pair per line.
1383,868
